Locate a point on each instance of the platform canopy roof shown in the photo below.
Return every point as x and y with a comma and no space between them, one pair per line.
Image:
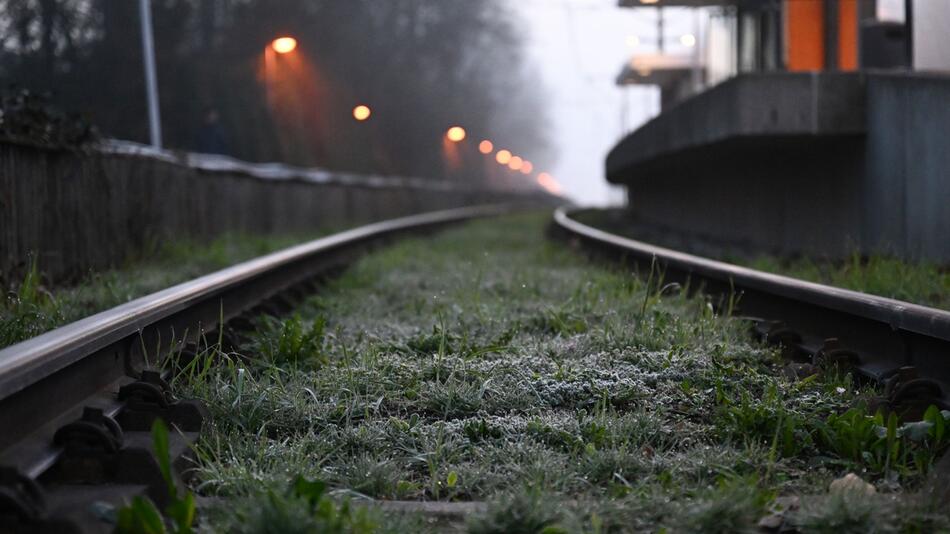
655,69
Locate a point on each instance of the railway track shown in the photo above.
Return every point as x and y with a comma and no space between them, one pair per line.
904,346
77,403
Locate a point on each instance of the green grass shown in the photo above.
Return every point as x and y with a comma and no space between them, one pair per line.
917,282
29,308
487,364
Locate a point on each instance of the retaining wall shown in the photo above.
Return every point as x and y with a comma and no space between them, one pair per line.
907,189
76,212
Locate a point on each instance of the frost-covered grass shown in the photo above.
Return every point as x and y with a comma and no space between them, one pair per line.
487,364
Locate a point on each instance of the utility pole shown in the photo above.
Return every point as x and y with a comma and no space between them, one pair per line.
151,81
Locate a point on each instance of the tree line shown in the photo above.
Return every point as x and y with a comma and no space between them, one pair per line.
421,66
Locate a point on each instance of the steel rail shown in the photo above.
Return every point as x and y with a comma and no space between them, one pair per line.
47,381
887,336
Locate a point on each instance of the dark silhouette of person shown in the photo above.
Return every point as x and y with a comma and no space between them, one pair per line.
211,138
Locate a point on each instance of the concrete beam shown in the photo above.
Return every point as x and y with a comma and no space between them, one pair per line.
781,105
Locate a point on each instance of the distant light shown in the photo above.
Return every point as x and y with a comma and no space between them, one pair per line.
527,167
649,1
486,147
284,45
503,157
548,182
361,112
515,163
633,41
688,39
455,134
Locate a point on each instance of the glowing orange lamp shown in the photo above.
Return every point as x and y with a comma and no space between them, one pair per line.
455,134
284,45
361,112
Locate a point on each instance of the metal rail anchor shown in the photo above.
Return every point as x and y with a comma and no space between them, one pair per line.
834,356
22,501
96,451
908,395
150,398
89,443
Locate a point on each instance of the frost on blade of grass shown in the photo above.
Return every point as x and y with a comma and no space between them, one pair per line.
486,364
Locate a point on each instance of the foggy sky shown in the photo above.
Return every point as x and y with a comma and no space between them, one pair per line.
579,47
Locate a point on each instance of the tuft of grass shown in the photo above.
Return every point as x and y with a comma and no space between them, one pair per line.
290,342
304,507
141,515
28,309
524,512
734,506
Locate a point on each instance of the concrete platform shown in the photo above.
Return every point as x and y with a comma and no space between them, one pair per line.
778,105
819,164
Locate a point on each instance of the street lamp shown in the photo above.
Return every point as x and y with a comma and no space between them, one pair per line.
548,182
284,45
486,147
361,112
455,134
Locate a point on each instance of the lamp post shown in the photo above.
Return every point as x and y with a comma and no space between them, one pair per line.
151,80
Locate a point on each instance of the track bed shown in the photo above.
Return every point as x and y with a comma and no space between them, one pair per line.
487,365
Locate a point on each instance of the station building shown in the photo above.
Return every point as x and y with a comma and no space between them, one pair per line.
813,127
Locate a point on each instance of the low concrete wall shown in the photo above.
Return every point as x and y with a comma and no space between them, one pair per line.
775,195
775,104
78,212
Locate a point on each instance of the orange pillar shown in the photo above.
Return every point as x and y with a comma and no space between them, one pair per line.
848,34
805,34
